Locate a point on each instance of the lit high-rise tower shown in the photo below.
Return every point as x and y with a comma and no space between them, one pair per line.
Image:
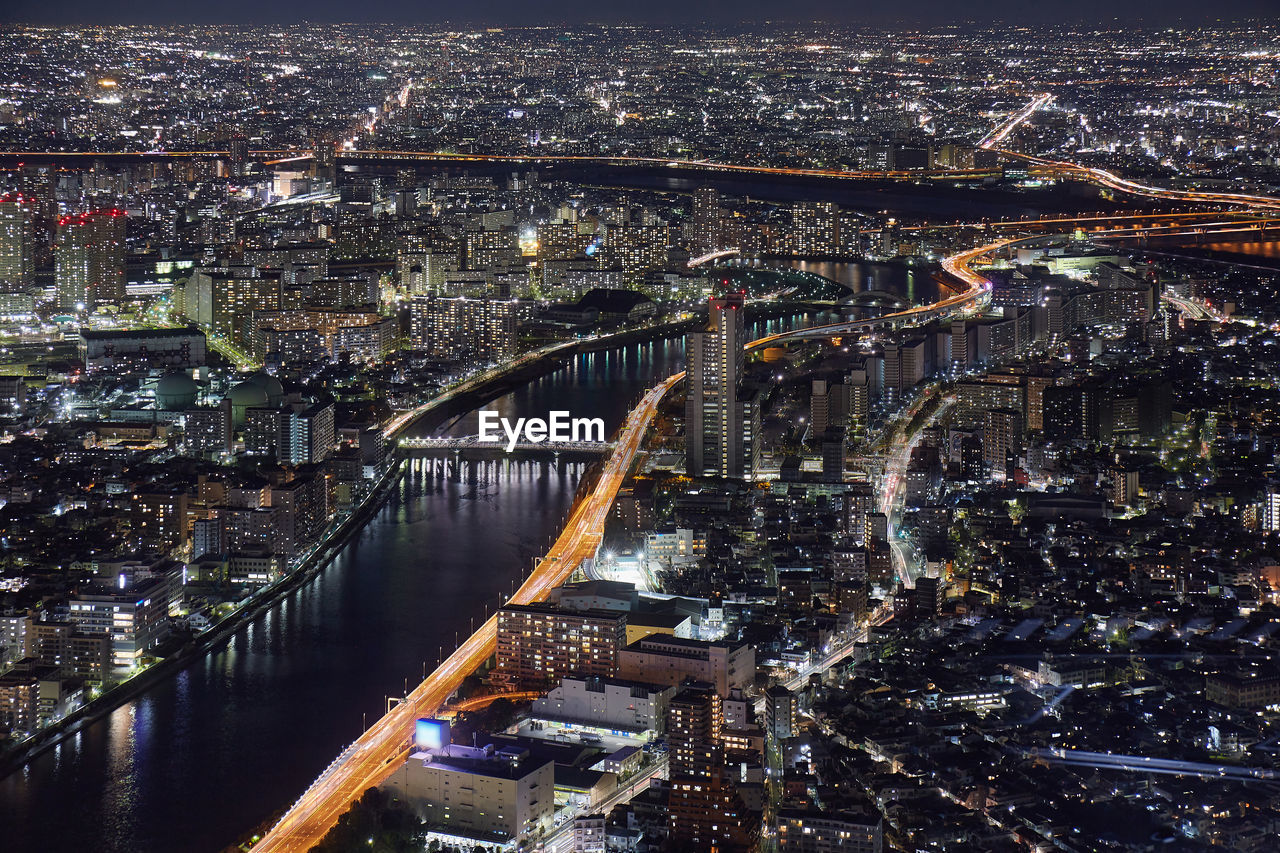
719,422
89,259
706,220
17,242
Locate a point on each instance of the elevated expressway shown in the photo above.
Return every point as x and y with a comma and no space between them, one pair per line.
1111,180
380,750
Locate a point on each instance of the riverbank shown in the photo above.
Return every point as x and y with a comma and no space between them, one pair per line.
329,547
325,551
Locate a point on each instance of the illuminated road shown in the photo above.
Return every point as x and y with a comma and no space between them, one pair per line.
999,134
839,649
1110,180
475,703
1194,309
713,256
397,424
381,749
377,753
349,153
893,481
697,165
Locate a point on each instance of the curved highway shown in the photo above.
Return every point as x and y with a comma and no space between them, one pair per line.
379,751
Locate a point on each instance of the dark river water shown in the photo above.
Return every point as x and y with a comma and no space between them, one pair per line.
913,285
204,757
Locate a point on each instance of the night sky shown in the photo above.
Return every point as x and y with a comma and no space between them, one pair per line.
520,12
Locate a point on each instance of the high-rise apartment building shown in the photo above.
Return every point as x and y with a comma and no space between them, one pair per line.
720,420
1001,437
298,433
89,259
706,812
540,645
780,712
635,249
461,328
17,242
706,220
815,228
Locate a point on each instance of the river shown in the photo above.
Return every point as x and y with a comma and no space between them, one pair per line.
912,284
205,756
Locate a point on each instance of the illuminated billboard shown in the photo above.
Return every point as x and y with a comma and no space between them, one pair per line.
430,734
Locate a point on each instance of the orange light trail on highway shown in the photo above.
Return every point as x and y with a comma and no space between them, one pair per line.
703,165
378,752
475,703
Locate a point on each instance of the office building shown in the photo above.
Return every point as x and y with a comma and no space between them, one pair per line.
142,349
832,444
135,616
606,703
479,793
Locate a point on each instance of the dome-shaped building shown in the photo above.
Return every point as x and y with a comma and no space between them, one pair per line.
244,396
268,383
176,392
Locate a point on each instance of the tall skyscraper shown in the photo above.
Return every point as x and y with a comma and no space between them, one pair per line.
238,153
720,436
706,220
17,242
39,183
89,259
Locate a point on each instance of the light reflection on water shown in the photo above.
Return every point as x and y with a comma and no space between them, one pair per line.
199,760
203,757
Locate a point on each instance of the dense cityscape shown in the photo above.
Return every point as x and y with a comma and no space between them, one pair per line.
624,439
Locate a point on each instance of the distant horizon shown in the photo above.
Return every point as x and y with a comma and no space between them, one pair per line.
631,24
509,13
